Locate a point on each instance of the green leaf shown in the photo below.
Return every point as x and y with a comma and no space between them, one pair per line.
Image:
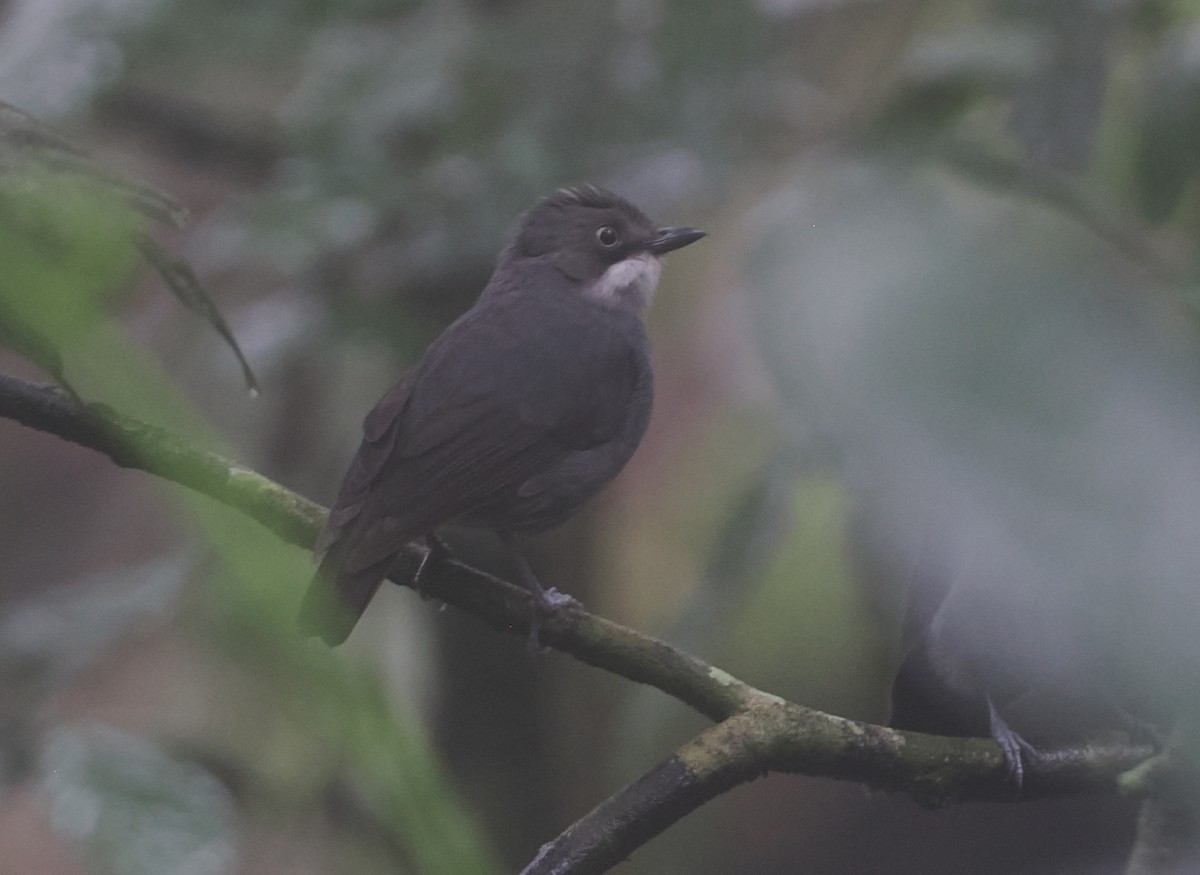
66,223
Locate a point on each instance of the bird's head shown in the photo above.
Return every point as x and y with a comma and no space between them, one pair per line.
599,241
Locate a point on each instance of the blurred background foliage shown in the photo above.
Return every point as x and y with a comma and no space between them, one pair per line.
946,313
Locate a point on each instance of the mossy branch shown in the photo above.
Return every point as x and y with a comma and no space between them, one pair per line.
754,732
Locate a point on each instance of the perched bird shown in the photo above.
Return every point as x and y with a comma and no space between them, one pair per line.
940,689
957,678
524,408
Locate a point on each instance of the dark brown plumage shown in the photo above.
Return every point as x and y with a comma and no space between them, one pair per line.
524,408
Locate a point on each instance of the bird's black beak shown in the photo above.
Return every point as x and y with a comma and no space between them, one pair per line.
670,239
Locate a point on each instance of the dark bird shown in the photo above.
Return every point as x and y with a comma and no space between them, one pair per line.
523,409
941,689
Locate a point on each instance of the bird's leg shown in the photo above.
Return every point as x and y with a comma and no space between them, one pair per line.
545,601
1013,745
436,550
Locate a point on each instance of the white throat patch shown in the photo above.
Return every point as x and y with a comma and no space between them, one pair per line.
633,279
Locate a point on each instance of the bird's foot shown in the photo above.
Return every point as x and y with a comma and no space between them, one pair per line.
1016,749
547,603
551,601
435,551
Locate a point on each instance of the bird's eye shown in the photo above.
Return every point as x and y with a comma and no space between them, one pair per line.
607,235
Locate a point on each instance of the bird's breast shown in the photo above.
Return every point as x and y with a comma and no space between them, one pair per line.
547,498
631,280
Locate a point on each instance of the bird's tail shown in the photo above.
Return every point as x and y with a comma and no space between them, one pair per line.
336,598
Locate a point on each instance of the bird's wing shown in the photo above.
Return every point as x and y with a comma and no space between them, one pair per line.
503,394
380,430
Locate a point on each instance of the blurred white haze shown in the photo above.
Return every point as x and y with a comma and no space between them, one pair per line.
1016,412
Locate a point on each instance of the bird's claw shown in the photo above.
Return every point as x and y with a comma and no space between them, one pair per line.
547,603
435,550
1016,749
552,601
